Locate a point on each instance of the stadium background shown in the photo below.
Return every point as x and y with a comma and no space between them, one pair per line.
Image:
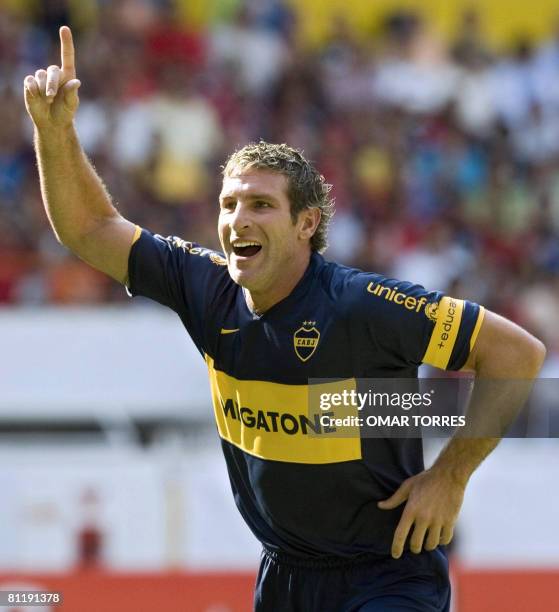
437,123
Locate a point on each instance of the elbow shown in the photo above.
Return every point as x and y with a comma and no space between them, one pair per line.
76,238
61,238
67,240
520,358
530,356
64,235
535,355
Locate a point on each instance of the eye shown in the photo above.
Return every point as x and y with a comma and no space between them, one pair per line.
261,204
227,205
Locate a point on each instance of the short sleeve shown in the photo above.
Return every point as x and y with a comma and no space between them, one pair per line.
411,325
179,274
456,327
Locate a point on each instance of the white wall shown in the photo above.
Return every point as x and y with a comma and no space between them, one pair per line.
161,509
171,507
63,361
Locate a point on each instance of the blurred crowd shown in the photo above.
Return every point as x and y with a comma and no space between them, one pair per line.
444,157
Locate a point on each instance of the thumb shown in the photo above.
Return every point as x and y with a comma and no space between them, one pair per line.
70,93
398,497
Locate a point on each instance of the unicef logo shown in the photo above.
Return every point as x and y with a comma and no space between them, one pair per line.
431,311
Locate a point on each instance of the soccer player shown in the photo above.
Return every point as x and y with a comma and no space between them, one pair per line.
346,524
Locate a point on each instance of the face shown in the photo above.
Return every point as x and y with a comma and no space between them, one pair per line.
263,247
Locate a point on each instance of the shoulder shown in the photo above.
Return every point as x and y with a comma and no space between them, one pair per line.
338,281
174,243
179,251
173,270
358,291
206,268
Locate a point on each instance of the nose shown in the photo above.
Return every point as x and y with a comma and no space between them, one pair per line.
240,218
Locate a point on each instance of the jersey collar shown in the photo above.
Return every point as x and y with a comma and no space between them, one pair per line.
298,291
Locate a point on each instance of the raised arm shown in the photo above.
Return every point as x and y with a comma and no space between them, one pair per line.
76,201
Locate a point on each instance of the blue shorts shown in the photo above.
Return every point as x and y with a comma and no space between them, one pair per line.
367,583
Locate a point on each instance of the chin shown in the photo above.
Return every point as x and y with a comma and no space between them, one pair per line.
250,280
241,277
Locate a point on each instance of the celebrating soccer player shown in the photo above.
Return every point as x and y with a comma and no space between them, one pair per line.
346,523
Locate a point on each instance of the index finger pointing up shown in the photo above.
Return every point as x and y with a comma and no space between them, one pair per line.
67,53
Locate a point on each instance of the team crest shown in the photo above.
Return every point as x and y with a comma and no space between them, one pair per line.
218,259
431,311
305,340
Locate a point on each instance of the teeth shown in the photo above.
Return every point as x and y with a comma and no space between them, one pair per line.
245,243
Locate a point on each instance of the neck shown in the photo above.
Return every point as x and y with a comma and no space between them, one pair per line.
261,301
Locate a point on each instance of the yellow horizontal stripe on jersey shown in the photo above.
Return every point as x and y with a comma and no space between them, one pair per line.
273,421
479,321
443,338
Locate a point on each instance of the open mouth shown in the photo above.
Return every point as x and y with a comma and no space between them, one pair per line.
246,248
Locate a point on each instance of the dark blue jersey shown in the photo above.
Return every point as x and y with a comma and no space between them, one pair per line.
299,492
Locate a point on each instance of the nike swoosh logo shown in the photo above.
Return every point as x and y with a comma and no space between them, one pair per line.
229,331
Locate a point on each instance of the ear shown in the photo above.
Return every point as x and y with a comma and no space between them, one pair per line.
309,218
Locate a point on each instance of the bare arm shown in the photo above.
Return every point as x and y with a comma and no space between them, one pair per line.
76,201
505,352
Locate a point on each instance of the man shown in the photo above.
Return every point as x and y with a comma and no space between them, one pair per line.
268,317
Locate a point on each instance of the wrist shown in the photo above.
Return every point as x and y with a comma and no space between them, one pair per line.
454,474
55,133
